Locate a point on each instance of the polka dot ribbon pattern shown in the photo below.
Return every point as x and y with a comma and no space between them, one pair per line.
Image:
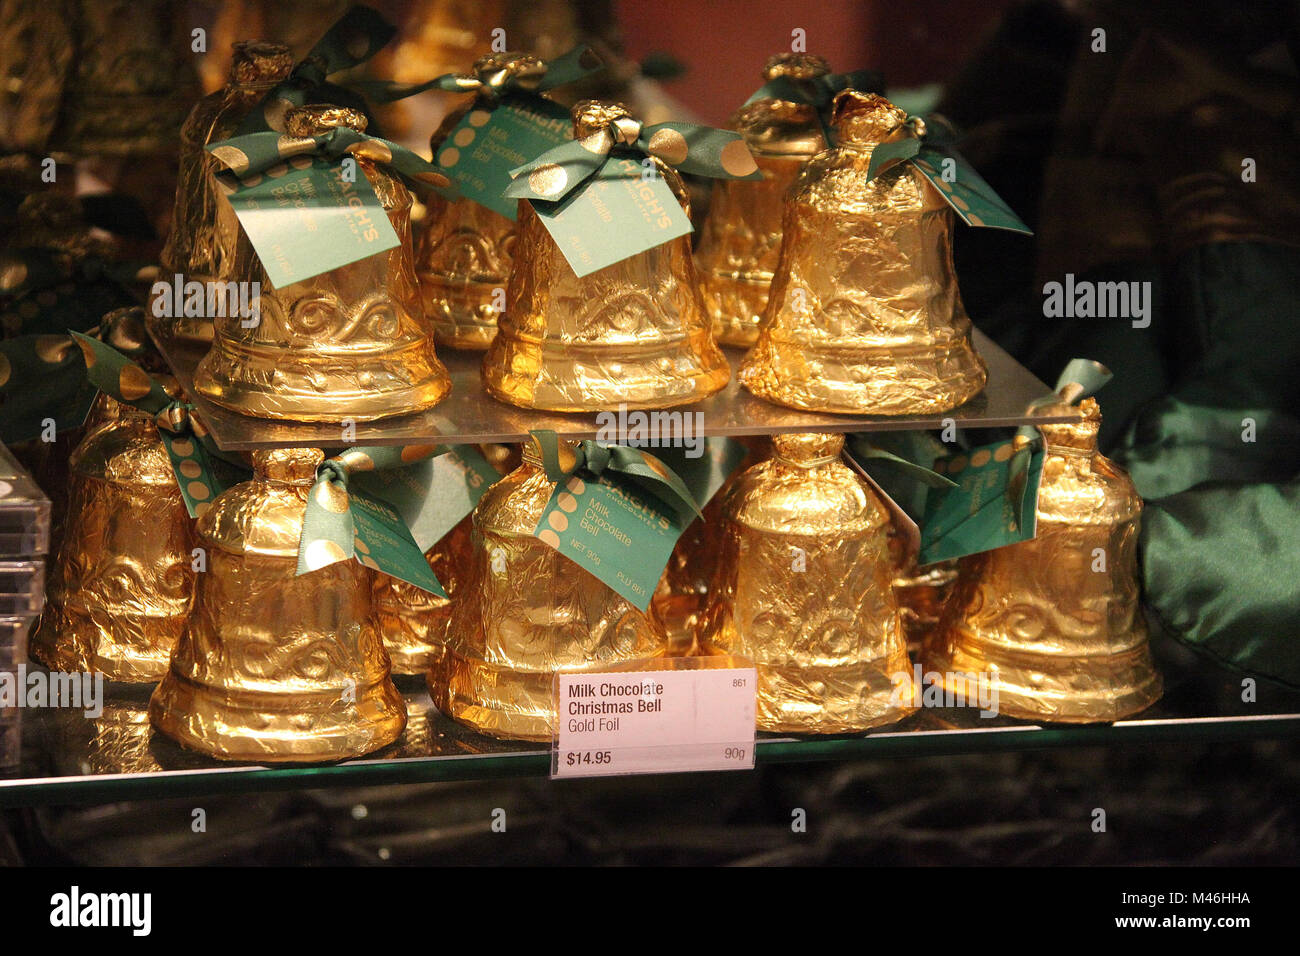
42,380
342,522
500,74
616,463
929,147
187,443
251,156
352,40
690,148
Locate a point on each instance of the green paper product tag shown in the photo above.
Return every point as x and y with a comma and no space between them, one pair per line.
612,216
971,198
980,513
485,145
433,496
303,218
384,542
620,535
704,474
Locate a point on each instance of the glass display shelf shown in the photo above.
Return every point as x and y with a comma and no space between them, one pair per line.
67,757
469,414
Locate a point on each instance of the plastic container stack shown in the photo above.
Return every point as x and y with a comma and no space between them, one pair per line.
24,541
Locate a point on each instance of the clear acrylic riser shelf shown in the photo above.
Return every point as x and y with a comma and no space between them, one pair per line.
70,758
469,414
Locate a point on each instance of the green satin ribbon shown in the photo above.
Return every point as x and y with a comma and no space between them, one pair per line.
619,463
1080,379
354,38
690,148
932,131
818,92
328,517
188,444
863,447
578,63
258,152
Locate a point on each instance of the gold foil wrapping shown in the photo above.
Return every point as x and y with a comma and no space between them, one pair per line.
864,314
274,666
741,240
204,232
634,333
351,343
803,590
1054,621
123,581
413,621
464,250
526,612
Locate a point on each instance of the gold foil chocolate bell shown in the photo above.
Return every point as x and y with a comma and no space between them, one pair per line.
526,612
121,586
803,588
633,333
351,343
864,314
204,231
1054,621
463,249
741,239
274,666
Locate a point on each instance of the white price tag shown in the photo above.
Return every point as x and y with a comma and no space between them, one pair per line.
654,721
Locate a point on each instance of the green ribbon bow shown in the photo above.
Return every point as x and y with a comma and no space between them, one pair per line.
618,462
258,152
496,82
341,521
691,148
818,92
1081,378
354,38
932,131
193,454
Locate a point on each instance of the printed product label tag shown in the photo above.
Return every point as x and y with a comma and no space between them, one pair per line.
304,217
432,496
613,216
485,145
979,514
654,721
383,542
620,535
